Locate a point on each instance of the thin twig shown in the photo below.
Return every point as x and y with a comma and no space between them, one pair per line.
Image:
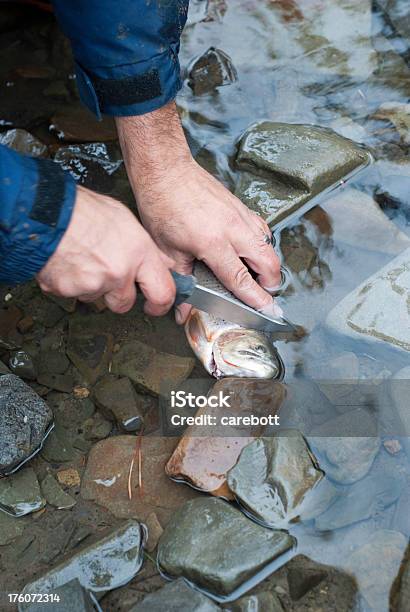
137,453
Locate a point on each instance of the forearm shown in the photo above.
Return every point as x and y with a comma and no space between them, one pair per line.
153,145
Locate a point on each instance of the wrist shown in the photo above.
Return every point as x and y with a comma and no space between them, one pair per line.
153,145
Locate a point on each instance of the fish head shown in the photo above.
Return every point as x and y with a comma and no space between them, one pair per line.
246,353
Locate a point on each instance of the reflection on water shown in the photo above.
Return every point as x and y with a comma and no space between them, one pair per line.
333,63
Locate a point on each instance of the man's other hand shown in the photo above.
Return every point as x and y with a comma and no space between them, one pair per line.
192,215
104,253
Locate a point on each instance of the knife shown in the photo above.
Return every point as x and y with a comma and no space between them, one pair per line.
203,290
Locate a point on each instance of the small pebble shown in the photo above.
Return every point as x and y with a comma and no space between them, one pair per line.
69,477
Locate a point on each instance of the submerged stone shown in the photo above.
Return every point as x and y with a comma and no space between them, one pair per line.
205,455
352,210
107,480
149,369
54,494
23,142
77,124
10,528
293,163
69,597
398,114
20,493
176,596
213,69
215,546
106,564
273,476
25,420
119,401
376,564
344,450
400,592
377,311
364,499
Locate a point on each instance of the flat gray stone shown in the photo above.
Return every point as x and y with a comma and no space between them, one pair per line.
22,364
54,494
106,564
212,544
176,596
70,597
10,528
377,311
292,164
24,422
344,450
20,493
273,476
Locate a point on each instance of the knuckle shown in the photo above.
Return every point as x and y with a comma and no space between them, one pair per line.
242,279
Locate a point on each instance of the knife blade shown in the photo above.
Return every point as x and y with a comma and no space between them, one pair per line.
205,292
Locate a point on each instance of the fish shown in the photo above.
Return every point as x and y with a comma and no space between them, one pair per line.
227,349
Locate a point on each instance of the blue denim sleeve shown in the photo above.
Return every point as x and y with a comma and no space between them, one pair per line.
36,202
126,52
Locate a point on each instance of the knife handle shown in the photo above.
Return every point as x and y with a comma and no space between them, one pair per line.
185,285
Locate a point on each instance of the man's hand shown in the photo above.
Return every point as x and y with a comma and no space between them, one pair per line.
190,214
105,252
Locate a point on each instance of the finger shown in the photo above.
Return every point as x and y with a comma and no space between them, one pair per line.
156,283
121,300
183,264
259,254
233,273
90,297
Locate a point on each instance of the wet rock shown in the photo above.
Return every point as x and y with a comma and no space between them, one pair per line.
54,494
398,114
23,142
90,165
25,420
10,528
4,369
363,500
351,210
90,352
221,535
149,369
20,493
349,129
375,579
58,447
205,455
53,362
303,576
71,596
294,163
213,69
347,458
22,364
77,124
57,89
58,382
97,428
106,477
119,401
69,477
259,602
155,531
273,476
366,313
26,324
400,592
103,565
9,337
175,597
67,304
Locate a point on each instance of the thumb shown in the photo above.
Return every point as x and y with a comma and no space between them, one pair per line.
183,265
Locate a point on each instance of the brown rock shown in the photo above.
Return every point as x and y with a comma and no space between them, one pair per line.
9,318
81,392
77,124
155,531
149,369
203,460
25,324
105,480
69,477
